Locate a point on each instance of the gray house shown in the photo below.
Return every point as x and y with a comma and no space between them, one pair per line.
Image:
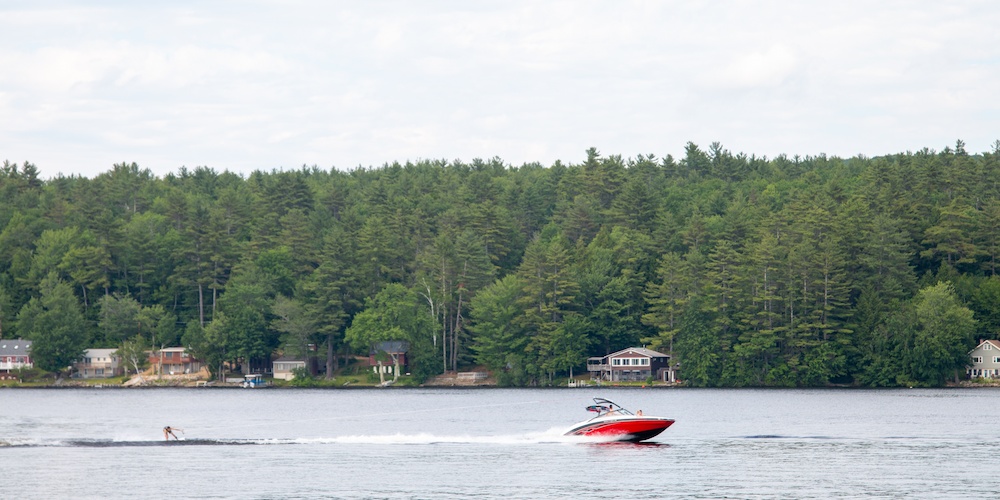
633,364
985,360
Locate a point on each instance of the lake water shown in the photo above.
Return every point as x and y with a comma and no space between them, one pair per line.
493,443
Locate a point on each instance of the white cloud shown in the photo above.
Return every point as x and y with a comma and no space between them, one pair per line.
348,83
761,68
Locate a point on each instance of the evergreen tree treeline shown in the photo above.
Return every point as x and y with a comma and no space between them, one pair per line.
751,271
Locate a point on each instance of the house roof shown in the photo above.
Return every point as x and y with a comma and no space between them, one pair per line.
289,359
994,343
172,349
642,351
15,347
392,346
98,353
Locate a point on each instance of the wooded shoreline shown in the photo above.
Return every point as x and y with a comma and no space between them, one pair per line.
748,271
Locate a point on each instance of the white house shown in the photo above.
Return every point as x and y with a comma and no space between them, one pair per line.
985,360
97,363
283,367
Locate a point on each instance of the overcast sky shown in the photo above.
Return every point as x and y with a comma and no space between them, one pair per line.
246,85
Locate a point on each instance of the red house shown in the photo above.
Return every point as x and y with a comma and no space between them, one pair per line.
394,350
173,361
14,355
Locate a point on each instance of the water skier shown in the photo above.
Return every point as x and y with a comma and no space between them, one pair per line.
169,431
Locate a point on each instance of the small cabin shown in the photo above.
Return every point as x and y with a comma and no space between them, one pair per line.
394,352
284,366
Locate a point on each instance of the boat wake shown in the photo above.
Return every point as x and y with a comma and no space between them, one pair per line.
779,436
114,443
552,436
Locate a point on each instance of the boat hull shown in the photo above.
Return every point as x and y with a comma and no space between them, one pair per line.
622,429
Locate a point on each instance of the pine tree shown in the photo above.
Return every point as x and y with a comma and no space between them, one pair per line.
53,322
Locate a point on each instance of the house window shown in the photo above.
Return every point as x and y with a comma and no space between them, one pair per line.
645,361
987,346
977,359
996,359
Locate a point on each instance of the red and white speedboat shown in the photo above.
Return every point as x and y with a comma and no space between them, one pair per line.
615,423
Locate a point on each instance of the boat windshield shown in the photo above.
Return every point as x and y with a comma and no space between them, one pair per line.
605,407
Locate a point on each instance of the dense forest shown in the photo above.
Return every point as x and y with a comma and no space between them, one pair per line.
750,271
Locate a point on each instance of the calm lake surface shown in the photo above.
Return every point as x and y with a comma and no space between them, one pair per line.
493,443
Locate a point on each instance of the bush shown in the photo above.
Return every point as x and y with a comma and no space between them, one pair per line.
302,378
32,374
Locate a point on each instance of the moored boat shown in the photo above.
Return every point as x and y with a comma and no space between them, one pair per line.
254,381
616,423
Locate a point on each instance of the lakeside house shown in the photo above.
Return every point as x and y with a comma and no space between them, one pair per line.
395,350
634,364
97,363
173,361
283,367
985,360
15,354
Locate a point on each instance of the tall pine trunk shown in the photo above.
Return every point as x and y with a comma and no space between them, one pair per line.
330,358
201,305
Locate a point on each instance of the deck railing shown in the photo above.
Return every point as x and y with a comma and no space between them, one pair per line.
14,366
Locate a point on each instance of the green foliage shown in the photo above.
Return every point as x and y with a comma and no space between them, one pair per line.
788,271
396,314
497,337
697,348
211,343
295,324
302,378
133,354
246,308
119,318
54,322
946,328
